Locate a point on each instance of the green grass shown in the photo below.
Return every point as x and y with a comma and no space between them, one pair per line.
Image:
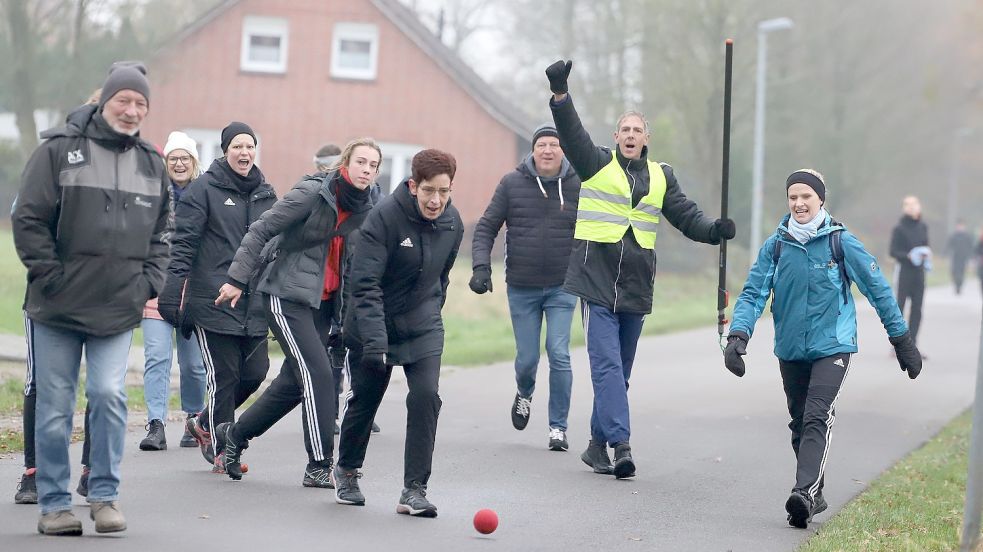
917,505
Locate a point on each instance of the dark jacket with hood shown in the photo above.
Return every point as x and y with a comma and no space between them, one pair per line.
212,218
620,276
89,224
399,276
293,237
540,213
907,235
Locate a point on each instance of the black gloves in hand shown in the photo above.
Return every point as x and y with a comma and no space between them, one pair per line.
736,348
723,229
557,74
481,280
374,363
908,355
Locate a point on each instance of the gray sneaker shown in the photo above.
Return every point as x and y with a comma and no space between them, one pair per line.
413,502
62,523
558,439
346,489
107,516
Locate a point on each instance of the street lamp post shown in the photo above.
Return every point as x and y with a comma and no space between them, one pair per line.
765,27
953,211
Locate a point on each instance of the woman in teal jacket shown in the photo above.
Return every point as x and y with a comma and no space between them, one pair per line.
809,264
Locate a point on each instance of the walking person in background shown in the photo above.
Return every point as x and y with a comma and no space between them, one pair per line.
623,197
960,250
910,249
400,270
806,267
91,213
538,204
181,161
211,220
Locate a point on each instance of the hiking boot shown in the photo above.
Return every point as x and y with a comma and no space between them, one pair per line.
107,516
232,453
27,489
520,411
318,475
413,502
800,509
624,465
376,428
558,439
188,440
219,465
346,489
155,439
83,488
62,523
202,436
596,456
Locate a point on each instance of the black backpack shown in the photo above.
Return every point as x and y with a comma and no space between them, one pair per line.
836,248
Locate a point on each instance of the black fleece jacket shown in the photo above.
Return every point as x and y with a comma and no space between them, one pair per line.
907,235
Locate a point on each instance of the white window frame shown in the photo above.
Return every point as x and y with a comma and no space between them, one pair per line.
264,26
210,145
398,156
355,31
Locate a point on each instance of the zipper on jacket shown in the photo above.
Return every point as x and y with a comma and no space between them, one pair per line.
618,277
245,321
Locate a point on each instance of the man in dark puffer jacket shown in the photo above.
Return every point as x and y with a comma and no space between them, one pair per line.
538,203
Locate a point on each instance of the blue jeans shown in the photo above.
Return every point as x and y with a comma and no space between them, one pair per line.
527,305
57,355
611,342
158,338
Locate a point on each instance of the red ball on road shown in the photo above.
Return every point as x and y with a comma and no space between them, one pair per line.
486,521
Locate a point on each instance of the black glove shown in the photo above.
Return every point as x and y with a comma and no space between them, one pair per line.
908,355
170,312
186,325
374,363
557,74
736,348
481,280
723,229
169,301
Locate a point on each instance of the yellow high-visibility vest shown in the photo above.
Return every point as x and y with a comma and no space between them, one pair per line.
605,212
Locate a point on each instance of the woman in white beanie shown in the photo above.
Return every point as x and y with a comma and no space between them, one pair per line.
181,159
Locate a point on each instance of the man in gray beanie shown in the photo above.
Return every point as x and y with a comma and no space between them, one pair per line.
95,253
538,201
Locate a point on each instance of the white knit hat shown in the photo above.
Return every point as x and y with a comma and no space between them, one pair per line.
180,140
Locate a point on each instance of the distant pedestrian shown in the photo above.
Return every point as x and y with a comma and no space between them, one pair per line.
910,250
960,250
400,271
538,204
806,268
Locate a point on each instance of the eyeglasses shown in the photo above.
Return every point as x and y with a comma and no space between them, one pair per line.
427,191
184,160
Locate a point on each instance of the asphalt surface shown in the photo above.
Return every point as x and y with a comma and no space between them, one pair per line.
713,456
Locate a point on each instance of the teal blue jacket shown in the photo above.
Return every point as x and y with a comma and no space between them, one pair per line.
812,318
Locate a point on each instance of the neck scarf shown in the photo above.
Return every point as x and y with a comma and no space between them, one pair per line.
805,232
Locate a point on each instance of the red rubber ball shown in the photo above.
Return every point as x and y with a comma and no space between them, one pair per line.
485,521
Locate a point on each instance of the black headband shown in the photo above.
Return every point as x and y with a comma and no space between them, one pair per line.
809,179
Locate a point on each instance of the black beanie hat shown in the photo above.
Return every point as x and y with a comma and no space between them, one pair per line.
810,178
125,75
234,129
544,130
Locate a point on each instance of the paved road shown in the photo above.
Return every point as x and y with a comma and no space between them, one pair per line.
713,458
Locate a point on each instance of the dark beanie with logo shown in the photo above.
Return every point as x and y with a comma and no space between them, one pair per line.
810,178
234,129
125,75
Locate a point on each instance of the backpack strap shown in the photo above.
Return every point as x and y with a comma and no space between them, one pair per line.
777,253
836,249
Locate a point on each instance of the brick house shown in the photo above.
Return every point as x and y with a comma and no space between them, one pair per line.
306,72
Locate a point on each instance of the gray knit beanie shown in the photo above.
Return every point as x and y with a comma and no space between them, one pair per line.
125,75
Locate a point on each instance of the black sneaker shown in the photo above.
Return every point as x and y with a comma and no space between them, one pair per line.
376,428
819,504
800,509
188,440
558,439
202,436
413,502
232,452
155,439
83,488
624,466
27,489
520,411
596,456
318,475
346,489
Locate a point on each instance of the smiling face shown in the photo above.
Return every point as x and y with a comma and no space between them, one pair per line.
631,136
125,111
363,166
803,203
180,167
547,155
241,154
432,195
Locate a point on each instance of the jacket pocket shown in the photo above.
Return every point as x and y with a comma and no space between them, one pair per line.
415,322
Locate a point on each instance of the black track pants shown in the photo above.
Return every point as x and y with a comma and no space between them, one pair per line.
911,285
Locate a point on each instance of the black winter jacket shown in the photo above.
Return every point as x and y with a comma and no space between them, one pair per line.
399,276
212,218
621,276
89,224
296,234
539,220
907,235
